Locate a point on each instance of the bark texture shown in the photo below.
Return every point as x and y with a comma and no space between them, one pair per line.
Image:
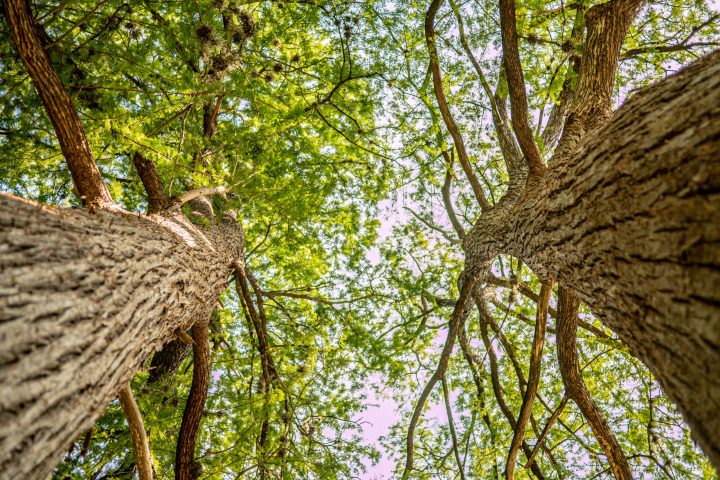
629,220
85,298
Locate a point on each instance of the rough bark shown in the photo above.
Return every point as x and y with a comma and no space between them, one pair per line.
629,220
58,105
85,298
568,305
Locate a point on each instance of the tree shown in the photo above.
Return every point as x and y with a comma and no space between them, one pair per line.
621,216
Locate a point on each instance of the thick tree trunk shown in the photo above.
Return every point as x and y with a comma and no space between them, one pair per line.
630,221
85,298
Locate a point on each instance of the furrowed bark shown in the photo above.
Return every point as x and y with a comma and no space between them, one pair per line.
629,222
58,105
85,298
607,25
185,468
141,449
575,386
533,381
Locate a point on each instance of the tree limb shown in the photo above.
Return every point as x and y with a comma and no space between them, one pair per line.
453,433
143,459
185,464
443,105
516,86
58,105
150,178
533,380
575,386
455,321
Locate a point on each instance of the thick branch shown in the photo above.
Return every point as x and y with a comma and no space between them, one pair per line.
187,438
443,105
533,380
58,105
143,459
607,25
150,178
512,155
516,87
575,386
198,192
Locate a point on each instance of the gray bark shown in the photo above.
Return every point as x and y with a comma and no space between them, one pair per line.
630,221
85,298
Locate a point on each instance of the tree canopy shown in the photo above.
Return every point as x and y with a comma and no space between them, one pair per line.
357,142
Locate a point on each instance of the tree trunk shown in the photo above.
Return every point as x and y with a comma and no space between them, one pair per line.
630,221
85,298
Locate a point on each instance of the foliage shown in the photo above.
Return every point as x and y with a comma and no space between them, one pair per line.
330,142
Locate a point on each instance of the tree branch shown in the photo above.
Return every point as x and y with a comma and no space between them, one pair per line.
150,178
58,105
443,105
143,459
453,433
516,87
495,379
533,380
455,321
187,438
607,25
575,386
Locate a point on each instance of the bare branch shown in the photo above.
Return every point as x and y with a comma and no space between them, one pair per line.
512,155
455,321
198,192
447,201
141,448
636,52
453,433
551,421
485,317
